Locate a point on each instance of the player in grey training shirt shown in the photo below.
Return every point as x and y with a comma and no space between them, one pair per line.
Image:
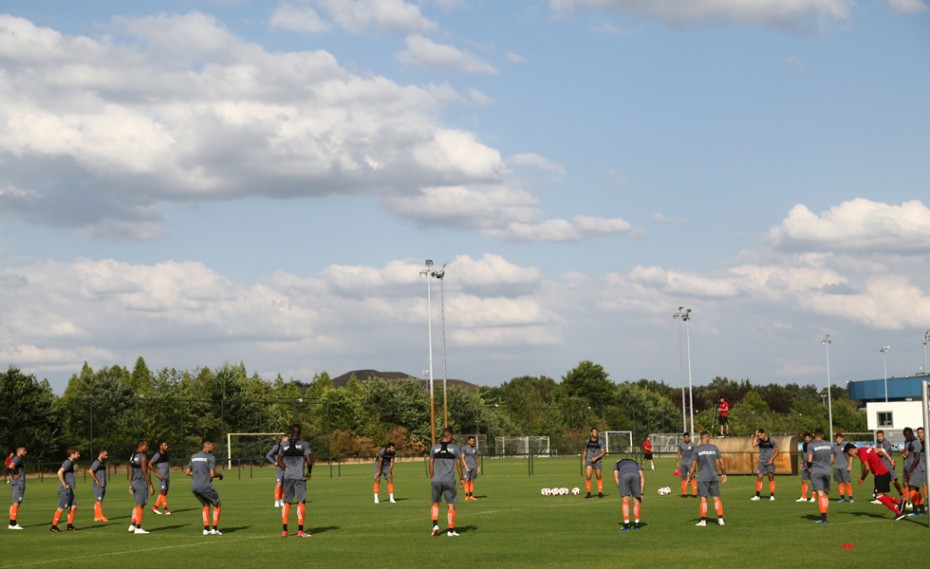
914,474
202,470
384,466
886,445
139,482
594,451
17,485
841,469
471,467
683,461
161,468
66,490
272,457
444,460
708,462
98,476
629,477
803,468
819,461
294,456
768,452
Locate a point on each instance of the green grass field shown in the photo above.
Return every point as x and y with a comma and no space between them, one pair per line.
510,526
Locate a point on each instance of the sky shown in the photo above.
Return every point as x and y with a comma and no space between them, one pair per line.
208,181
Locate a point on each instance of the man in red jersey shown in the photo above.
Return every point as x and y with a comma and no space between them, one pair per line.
723,410
871,459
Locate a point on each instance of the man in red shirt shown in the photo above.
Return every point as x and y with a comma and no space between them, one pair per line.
647,453
871,459
723,410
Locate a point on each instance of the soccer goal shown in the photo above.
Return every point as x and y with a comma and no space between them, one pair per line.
521,446
665,443
250,445
619,442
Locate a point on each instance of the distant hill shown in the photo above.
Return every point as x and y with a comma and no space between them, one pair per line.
397,377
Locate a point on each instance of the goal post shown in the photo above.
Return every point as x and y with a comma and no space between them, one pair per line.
229,446
619,442
522,446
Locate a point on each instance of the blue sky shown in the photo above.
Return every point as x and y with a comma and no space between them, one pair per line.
207,181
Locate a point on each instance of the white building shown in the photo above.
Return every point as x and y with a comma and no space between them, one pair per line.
893,416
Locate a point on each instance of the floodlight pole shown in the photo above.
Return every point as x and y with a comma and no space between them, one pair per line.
926,341
826,342
429,320
440,274
884,350
684,314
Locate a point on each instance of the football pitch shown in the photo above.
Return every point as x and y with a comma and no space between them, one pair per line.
511,525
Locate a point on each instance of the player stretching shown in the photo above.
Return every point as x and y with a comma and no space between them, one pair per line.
819,461
272,457
594,452
472,468
871,461
805,470
295,453
384,466
98,476
629,477
708,463
444,460
914,471
841,469
160,466
140,485
66,490
768,452
17,472
202,470
683,463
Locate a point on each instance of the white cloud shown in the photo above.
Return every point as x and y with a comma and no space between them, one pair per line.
480,98
581,227
426,53
516,58
297,18
908,6
534,160
859,225
782,14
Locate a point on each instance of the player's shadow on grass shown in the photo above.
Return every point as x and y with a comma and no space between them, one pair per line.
324,529
466,529
868,514
166,528
234,529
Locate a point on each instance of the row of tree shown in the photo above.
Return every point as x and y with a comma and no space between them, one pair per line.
112,407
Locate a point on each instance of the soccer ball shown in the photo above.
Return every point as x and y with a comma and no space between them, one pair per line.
576,490
545,491
665,491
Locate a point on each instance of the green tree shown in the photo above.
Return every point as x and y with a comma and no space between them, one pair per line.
29,416
590,382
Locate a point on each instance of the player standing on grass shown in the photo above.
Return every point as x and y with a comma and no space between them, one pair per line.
17,472
804,469
384,466
98,476
140,485
819,460
629,477
66,490
913,471
708,463
841,469
161,468
885,445
594,452
444,460
294,455
923,464
871,461
272,457
647,453
471,467
683,463
202,470
768,452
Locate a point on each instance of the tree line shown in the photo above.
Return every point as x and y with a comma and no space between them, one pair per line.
112,407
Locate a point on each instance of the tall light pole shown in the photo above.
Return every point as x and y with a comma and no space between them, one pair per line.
826,342
884,350
440,274
684,314
429,319
926,341
681,366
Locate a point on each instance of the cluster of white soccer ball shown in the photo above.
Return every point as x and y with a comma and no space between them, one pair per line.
665,491
559,491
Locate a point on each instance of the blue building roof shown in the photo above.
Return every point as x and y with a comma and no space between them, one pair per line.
899,389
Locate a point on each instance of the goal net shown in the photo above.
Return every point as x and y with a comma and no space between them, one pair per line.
249,446
619,442
521,446
665,443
